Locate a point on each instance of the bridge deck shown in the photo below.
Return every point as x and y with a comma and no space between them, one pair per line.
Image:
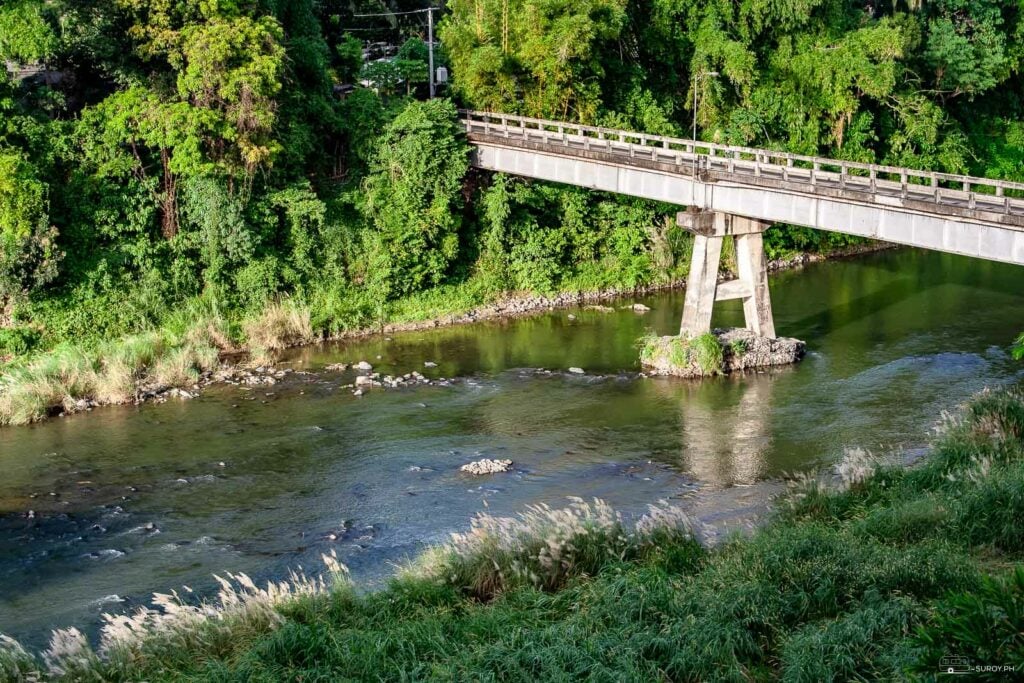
924,190
977,217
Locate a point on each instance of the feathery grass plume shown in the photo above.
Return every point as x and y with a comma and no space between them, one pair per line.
543,547
856,467
280,325
69,655
159,638
16,664
241,611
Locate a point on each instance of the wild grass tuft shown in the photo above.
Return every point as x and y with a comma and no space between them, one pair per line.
67,378
173,632
279,326
544,547
701,356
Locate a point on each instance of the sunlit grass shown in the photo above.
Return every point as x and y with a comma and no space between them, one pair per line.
280,325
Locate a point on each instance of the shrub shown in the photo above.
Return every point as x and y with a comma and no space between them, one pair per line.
18,341
412,197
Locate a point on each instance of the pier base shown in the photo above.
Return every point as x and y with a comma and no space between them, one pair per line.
697,351
719,352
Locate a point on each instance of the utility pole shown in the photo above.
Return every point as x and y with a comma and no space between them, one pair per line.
430,37
430,45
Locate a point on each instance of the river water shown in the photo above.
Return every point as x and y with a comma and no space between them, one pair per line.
132,500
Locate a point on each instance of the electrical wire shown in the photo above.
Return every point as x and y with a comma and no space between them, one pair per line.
395,14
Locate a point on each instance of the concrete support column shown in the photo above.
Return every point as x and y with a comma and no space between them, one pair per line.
702,287
753,272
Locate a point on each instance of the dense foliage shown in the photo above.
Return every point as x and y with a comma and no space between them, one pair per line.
155,152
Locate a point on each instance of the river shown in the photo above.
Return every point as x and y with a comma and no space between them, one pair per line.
131,500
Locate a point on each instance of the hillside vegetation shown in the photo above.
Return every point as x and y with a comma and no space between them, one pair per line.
164,163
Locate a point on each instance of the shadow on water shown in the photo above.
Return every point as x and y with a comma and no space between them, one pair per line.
100,510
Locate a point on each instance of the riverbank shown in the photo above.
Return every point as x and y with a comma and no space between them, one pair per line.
201,345
879,576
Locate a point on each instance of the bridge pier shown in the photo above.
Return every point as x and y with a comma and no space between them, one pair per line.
702,287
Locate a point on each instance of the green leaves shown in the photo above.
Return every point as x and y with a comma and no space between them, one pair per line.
966,48
233,69
412,198
28,250
1017,350
537,57
25,35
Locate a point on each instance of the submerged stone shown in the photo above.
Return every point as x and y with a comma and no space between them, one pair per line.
718,352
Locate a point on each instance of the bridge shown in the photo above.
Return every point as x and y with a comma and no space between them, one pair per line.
739,192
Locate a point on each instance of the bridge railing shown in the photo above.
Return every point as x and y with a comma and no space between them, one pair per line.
939,187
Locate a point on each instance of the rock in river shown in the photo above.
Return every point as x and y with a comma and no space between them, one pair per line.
487,466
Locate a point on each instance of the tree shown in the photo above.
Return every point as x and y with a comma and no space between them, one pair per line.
412,198
412,61
350,58
966,49
25,35
215,117
536,57
28,250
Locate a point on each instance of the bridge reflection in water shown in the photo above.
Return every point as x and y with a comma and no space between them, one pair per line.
726,435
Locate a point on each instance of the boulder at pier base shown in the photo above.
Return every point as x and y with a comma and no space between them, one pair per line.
718,352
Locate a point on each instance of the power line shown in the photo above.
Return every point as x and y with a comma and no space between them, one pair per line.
395,14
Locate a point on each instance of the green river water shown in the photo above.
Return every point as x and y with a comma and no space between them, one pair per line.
131,500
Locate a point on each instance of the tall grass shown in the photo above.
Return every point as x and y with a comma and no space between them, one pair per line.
173,629
698,356
545,548
68,378
280,325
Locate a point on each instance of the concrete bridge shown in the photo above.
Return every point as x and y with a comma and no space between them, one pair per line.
738,192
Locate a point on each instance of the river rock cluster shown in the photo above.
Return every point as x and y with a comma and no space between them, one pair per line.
487,466
368,379
227,374
743,349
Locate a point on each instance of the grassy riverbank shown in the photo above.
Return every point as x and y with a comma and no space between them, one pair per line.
877,575
75,374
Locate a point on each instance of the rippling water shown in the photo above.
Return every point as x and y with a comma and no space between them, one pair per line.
127,501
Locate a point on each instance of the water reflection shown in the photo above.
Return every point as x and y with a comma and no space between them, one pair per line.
725,429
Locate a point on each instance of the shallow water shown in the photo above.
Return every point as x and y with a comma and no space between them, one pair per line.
132,500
